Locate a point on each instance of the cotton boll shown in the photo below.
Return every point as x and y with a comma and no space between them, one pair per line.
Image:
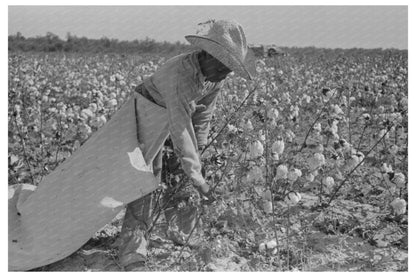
294,174
103,119
267,207
255,174
386,168
360,156
112,103
382,133
399,180
256,149
316,161
328,181
271,244
399,206
93,107
393,149
352,162
281,172
267,195
262,247
290,136
87,113
292,198
310,177
317,127
247,125
232,128
273,113
278,146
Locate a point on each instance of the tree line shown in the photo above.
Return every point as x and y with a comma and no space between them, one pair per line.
52,43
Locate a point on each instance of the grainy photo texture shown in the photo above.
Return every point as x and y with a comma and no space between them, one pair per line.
207,138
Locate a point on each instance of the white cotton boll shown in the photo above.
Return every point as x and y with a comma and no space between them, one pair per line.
232,128
246,125
328,181
103,119
262,247
52,110
366,117
93,107
292,198
255,174
386,168
338,110
360,156
319,148
393,149
281,172
256,149
278,146
382,132
273,113
290,136
294,174
267,195
87,113
271,244
98,121
399,180
399,206
316,161
112,103
395,117
317,127
352,162
61,106
346,147
267,206
310,177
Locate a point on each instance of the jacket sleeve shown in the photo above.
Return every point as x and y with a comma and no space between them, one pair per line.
182,133
202,117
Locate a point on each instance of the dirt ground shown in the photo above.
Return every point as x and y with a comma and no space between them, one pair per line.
326,253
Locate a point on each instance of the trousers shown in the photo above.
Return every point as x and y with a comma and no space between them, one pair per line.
152,133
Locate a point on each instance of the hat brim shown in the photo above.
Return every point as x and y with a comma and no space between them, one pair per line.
245,69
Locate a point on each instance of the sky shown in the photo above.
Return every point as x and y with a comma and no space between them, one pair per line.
319,26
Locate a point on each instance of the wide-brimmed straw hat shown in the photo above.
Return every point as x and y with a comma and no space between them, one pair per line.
225,41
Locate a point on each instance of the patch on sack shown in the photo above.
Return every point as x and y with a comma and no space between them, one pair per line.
110,202
137,160
28,187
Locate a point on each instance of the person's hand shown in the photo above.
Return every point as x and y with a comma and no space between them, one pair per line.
197,107
203,189
205,192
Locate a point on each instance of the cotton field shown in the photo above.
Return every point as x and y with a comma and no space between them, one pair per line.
309,162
